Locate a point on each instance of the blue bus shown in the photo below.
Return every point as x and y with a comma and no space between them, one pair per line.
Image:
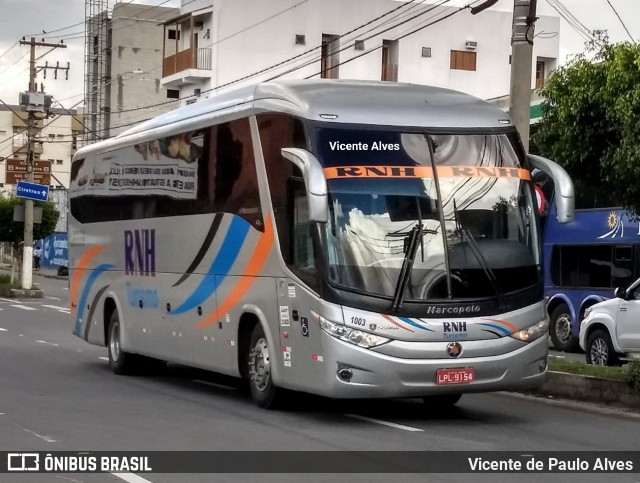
583,262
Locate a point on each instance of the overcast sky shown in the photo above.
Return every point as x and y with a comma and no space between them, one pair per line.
28,18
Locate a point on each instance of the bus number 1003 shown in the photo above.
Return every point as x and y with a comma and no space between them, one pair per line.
358,321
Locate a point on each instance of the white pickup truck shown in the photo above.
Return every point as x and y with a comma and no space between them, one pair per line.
610,331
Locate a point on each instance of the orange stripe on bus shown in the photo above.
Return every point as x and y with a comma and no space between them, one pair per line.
79,272
508,325
343,172
252,269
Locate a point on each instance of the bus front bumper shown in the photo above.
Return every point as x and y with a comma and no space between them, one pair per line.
354,372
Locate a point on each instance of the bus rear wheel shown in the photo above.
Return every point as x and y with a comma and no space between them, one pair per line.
121,362
259,361
561,329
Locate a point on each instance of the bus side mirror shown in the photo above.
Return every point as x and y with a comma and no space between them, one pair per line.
314,181
564,195
620,292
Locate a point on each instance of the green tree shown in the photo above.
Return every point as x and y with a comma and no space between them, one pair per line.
591,124
12,232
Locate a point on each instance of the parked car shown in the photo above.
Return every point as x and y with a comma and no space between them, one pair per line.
610,331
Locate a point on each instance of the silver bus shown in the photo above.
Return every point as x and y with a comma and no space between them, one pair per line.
351,239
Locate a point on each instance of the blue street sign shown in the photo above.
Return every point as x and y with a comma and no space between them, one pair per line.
32,191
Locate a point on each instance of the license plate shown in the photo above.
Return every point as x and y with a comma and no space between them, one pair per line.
455,376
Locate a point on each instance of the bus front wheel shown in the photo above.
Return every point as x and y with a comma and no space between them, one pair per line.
561,329
263,391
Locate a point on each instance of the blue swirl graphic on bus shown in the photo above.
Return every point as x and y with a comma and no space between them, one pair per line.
221,265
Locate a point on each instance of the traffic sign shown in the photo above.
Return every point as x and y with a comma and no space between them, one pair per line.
16,170
32,191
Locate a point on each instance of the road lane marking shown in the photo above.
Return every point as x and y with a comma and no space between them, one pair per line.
47,342
58,308
385,423
23,307
3,330
103,358
131,478
45,438
51,298
214,384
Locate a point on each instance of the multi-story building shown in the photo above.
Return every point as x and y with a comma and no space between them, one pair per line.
210,45
123,66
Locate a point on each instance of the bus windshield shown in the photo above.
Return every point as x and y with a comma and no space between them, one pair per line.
467,194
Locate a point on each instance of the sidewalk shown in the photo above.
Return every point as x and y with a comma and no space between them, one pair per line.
43,272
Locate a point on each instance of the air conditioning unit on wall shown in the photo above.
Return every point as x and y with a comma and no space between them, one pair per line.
471,45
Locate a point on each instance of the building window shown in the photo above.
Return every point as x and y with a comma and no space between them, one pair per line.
173,34
461,60
173,94
300,39
59,161
52,136
389,60
330,59
540,69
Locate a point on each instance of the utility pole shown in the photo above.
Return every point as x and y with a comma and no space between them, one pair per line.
35,102
524,19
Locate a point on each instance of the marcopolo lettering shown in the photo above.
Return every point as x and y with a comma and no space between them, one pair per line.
452,309
140,252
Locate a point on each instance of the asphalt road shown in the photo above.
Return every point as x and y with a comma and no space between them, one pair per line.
57,394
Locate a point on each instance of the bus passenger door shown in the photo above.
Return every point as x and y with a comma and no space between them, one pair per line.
300,337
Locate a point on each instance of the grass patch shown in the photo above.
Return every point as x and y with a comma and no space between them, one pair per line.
575,367
5,282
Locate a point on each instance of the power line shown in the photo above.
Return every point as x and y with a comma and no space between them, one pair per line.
573,22
620,18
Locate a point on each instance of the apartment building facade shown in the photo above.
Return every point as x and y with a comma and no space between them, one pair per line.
232,42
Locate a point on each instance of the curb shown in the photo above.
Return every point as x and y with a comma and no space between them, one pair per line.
22,293
589,389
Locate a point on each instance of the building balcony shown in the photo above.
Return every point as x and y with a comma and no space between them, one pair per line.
189,66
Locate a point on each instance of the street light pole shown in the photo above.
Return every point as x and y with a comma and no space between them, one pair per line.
524,18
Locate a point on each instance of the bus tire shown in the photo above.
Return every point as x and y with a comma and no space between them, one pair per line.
120,362
259,359
442,401
600,350
561,329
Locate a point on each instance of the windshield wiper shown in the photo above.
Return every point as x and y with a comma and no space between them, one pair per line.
483,264
465,232
414,240
407,265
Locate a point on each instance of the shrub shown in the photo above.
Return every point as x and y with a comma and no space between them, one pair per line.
632,375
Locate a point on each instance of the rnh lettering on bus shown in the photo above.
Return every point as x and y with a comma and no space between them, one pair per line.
140,252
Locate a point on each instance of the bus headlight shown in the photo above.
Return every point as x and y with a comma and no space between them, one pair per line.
532,333
351,335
